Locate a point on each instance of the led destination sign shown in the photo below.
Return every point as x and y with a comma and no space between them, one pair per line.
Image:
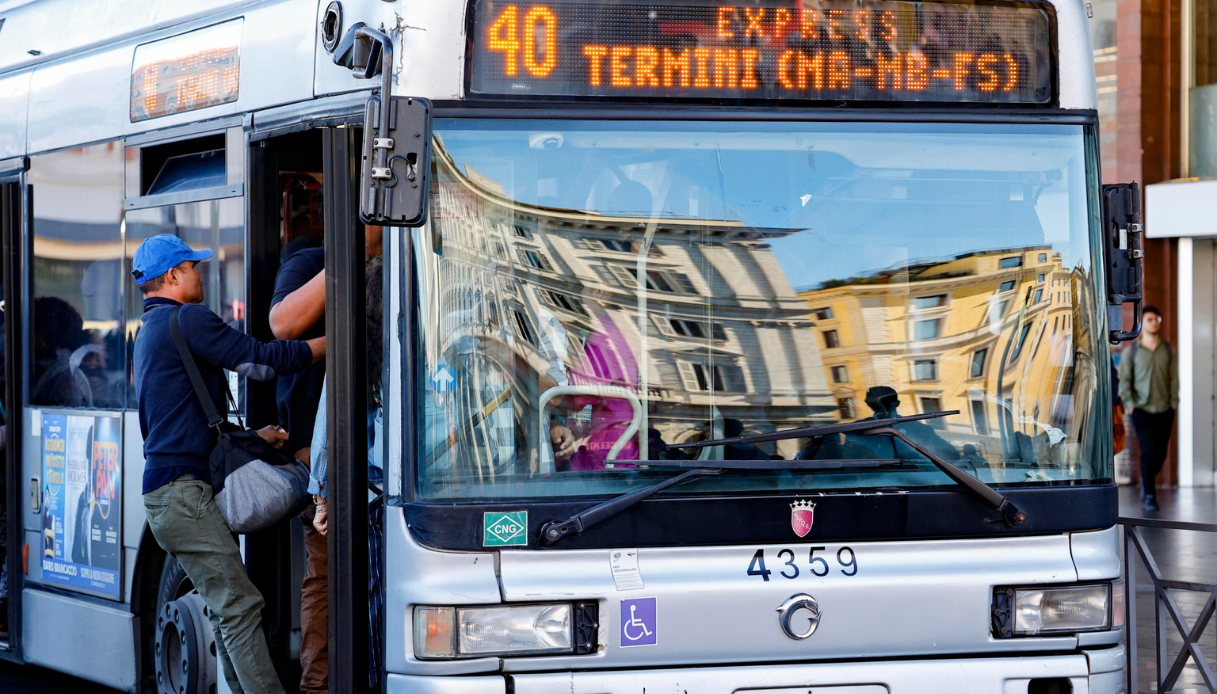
834,50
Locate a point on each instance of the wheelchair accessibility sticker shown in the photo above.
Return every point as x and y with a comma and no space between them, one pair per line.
639,622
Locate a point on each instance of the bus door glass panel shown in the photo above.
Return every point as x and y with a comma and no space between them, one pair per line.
707,280
77,280
215,224
78,377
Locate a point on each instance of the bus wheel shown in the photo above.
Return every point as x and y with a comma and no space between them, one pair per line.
184,651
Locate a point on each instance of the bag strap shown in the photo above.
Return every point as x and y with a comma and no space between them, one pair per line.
214,419
232,406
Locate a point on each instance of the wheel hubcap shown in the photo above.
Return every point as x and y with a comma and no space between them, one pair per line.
185,662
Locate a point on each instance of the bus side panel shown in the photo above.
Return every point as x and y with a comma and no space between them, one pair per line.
81,100
85,639
14,93
432,29
29,24
87,98
417,575
277,55
1076,79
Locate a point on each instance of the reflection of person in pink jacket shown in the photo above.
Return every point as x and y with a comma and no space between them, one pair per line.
607,360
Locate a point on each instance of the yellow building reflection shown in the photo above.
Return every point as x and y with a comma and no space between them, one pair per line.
994,335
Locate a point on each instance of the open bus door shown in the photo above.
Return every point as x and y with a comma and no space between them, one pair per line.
346,435
381,178
12,213
377,175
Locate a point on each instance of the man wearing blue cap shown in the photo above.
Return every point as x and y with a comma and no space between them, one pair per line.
178,442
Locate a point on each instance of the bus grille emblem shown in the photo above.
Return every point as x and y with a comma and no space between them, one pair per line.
795,604
802,516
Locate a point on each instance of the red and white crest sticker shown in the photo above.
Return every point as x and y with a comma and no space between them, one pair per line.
802,516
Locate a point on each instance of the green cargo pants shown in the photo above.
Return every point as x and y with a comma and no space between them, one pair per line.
186,523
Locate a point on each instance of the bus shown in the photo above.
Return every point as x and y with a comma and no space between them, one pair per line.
723,345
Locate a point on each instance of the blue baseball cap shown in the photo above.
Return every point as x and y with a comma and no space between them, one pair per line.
158,254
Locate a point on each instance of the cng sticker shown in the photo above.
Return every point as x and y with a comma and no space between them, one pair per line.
505,528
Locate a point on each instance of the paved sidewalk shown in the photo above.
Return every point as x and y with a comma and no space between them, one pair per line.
1181,555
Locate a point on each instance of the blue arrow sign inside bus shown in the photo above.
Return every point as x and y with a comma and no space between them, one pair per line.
443,378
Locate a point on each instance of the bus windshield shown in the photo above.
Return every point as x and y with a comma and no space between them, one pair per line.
591,293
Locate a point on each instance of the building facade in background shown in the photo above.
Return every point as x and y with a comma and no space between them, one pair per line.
1156,74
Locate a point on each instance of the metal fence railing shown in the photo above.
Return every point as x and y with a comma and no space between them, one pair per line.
1169,618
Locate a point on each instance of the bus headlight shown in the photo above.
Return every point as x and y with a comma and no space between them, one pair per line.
504,630
1044,611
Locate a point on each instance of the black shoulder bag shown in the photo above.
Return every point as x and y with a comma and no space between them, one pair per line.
256,485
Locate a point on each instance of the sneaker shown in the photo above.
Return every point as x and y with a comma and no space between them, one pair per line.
1149,504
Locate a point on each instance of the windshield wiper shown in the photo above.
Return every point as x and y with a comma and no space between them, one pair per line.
1010,513
553,531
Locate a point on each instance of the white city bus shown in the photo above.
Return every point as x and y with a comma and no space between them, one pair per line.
739,345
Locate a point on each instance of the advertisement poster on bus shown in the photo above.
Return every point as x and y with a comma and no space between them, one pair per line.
82,483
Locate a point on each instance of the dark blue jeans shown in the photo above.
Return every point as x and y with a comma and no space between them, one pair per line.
1153,435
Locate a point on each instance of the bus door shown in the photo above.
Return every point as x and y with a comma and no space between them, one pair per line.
304,167
295,179
293,150
12,212
285,206
347,404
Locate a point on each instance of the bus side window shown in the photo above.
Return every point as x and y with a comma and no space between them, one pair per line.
214,224
76,351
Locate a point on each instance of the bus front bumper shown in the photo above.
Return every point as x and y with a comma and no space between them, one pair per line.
1098,671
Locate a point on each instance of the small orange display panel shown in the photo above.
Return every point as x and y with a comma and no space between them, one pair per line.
813,50
187,72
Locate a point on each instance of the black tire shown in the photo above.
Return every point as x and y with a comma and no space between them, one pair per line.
174,582
183,651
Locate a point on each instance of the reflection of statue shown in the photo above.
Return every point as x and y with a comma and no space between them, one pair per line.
884,401
742,451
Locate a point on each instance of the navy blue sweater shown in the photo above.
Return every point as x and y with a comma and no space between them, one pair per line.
298,394
177,439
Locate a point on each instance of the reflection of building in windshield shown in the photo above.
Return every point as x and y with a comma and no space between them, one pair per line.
991,334
724,342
